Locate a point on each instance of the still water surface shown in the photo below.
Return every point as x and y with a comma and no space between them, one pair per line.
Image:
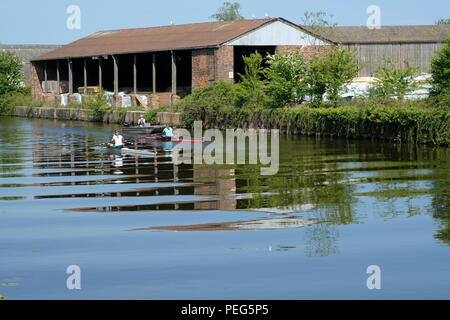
144,228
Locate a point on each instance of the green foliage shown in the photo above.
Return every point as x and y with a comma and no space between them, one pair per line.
228,12
10,72
319,23
440,68
150,116
13,99
339,69
443,21
285,74
398,121
97,103
204,103
250,92
329,74
394,82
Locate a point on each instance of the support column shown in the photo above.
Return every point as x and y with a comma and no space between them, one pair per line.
58,77
154,73
69,64
174,73
100,80
45,77
174,77
134,75
116,75
85,75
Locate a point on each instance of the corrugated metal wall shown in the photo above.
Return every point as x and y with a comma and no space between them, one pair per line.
371,55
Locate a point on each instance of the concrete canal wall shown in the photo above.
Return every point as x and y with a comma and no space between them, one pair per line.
87,115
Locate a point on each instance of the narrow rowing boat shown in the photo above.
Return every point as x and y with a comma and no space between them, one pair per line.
167,139
142,130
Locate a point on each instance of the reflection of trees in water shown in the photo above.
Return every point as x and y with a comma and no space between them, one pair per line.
305,177
321,240
399,184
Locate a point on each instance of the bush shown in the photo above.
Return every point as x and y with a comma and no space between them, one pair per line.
394,82
13,99
440,68
11,75
250,92
97,103
285,74
329,73
150,116
204,103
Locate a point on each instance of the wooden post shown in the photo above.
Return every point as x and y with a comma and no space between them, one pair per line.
174,76
58,77
116,75
154,73
100,80
174,73
85,75
134,75
69,64
45,77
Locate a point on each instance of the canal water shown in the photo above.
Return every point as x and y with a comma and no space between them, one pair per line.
145,228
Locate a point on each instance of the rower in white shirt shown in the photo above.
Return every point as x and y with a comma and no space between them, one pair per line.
116,141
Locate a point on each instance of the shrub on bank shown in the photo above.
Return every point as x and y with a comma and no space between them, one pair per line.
397,121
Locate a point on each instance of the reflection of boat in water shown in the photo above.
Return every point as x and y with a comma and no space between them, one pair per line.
126,151
145,130
258,224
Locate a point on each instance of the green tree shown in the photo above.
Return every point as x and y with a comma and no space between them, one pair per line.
340,68
440,68
318,23
228,12
250,91
11,74
330,73
393,82
286,78
443,21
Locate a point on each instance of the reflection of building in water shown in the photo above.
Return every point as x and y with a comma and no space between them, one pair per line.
215,182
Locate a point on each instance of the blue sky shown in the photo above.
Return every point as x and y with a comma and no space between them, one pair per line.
44,21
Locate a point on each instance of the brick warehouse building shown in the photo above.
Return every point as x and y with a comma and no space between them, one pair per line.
159,65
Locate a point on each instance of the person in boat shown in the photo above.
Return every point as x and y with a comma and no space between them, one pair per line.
167,133
141,121
116,141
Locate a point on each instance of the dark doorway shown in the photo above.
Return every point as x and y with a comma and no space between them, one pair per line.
245,51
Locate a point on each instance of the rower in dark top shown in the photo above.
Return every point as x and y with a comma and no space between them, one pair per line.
141,121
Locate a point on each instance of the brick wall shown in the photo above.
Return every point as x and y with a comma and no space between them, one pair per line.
36,74
203,69
225,63
307,51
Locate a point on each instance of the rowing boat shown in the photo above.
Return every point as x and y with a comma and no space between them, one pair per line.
167,139
142,130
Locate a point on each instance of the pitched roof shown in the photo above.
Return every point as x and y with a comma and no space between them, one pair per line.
386,34
188,36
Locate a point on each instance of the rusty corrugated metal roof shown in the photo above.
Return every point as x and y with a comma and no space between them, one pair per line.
386,34
198,35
